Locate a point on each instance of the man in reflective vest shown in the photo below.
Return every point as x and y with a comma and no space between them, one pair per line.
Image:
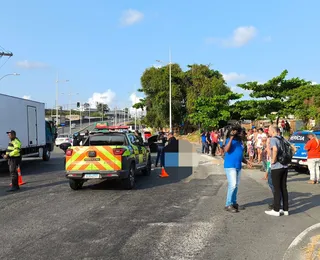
13,155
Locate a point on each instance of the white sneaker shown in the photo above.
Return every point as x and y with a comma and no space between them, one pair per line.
272,213
286,213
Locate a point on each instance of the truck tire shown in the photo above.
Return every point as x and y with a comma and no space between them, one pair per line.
46,154
129,182
147,170
75,184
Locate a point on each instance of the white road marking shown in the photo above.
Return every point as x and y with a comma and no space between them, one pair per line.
298,239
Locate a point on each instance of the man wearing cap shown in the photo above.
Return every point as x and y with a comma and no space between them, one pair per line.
13,155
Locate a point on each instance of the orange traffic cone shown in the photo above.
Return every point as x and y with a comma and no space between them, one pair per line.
163,174
20,181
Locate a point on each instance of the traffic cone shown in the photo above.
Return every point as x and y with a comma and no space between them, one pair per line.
20,181
163,174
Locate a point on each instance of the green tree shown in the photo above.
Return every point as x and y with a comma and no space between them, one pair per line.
198,81
102,107
213,111
270,97
304,103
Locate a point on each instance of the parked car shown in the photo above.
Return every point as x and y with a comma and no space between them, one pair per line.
299,140
62,138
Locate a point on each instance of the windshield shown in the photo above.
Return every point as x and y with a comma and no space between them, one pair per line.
109,139
299,138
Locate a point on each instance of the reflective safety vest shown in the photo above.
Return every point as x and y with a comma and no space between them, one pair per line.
14,148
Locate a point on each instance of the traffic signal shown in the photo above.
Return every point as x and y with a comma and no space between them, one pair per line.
78,104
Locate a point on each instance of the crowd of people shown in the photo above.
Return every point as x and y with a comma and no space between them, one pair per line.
271,149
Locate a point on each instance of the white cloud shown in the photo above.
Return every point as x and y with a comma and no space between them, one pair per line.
130,17
314,83
26,97
31,64
241,36
105,97
233,76
135,99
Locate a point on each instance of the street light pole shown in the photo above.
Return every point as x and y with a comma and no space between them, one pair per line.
57,96
170,92
10,74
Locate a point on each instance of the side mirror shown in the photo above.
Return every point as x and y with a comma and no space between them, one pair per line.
64,146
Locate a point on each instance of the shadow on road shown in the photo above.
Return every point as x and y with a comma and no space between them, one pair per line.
176,175
25,187
298,202
36,167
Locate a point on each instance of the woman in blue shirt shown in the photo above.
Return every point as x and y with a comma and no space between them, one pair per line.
234,156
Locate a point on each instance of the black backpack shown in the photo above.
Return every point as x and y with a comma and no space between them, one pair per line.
285,151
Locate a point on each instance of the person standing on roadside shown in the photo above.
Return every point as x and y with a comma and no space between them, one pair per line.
313,148
214,140
279,175
208,142
234,156
161,143
203,140
13,155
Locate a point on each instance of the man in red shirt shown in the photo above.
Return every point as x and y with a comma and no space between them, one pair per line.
214,141
313,148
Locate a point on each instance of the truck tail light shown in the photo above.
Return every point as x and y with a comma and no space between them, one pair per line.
118,151
69,152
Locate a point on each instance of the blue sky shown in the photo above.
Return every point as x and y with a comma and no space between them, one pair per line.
103,47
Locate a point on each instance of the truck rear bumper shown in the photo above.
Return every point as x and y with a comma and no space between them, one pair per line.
97,175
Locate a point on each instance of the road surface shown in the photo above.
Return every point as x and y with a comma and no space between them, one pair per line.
181,217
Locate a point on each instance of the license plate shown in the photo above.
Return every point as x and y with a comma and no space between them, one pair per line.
92,159
294,160
92,176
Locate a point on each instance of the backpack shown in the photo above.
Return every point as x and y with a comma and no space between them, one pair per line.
285,151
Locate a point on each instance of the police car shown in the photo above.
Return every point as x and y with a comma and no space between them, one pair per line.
299,140
114,154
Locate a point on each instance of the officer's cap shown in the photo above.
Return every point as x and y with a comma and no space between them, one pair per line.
12,132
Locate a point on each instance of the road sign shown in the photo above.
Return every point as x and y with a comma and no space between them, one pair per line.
63,124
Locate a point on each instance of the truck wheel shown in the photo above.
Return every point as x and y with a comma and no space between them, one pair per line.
129,183
46,155
147,171
75,184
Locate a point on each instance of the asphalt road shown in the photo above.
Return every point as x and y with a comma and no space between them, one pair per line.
180,217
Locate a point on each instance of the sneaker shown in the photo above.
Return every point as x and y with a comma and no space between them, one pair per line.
272,213
238,207
285,213
231,209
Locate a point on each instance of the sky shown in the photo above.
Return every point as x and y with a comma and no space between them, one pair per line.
99,49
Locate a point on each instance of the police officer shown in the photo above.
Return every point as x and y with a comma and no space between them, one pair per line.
13,155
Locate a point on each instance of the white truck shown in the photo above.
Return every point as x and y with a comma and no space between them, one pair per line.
27,118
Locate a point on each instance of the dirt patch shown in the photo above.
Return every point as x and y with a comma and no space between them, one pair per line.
312,250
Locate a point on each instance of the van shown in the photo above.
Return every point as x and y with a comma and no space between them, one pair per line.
299,140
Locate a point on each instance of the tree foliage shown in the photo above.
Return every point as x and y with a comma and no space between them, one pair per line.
189,89
102,107
269,98
212,111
